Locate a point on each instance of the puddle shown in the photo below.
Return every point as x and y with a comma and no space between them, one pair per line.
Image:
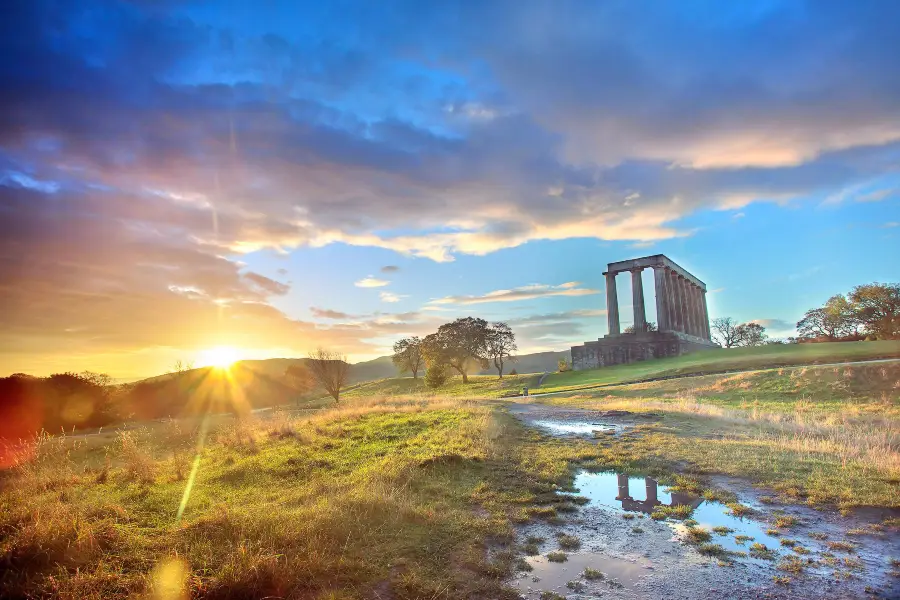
553,577
575,427
645,494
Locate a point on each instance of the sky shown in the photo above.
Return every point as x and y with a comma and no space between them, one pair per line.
276,175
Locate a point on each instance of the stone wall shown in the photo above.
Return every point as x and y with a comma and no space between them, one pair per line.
632,347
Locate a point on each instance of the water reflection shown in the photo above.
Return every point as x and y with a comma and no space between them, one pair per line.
651,496
644,494
582,428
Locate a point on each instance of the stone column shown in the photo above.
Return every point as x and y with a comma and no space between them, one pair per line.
624,492
706,332
677,302
637,301
612,304
663,301
692,319
652,495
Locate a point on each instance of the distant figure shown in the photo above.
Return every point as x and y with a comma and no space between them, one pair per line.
525,391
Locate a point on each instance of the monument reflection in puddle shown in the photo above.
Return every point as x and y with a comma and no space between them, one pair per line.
620,492
651,500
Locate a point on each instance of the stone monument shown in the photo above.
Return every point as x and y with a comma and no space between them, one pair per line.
682,317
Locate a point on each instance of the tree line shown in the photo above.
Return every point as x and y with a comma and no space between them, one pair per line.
458,346
868,312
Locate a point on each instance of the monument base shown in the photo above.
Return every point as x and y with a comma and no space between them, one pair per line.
632,347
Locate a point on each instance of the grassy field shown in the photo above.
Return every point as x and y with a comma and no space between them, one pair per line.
413,496
479,386
711,361
408,496
821,435
718,361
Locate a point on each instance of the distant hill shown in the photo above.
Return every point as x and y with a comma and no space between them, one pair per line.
273,369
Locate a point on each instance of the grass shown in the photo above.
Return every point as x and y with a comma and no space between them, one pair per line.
414,493
711,361
409,494
568,542
718,361
771,428
479,386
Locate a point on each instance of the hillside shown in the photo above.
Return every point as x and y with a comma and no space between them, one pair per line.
371,370
710,361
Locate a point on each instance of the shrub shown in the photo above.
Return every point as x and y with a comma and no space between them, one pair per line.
436,376
564,365
513,372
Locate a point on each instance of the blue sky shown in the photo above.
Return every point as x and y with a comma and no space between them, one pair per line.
183,174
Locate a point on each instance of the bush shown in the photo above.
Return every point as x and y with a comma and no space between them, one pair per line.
436,376
513,372
564,365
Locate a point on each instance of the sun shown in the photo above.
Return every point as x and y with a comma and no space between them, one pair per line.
221,357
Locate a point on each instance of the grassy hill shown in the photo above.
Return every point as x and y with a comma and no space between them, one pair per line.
710,361
719,361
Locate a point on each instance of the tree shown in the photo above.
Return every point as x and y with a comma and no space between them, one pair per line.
651,326
408,357
750,334
457,345
876,307
501,343
181,366
834,321
563,365
330,369
302,379
436,375
725,331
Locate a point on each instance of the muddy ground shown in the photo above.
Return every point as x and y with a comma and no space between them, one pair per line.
643,558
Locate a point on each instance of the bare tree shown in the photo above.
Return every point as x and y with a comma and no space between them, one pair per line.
500,345
408,357
725,331
330,369
181,366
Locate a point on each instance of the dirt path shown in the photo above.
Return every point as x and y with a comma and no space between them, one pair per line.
644,558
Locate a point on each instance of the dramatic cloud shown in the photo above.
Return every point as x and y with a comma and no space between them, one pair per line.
528,292
371,282
147,150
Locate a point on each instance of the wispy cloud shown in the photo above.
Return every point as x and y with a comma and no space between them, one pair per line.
391,297
371,282
877,195
528,292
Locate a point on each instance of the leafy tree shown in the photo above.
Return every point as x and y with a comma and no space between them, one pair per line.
408,356
725,331
751,334
834,321
330,369
651,326
876,307
563,365
436,375
458,345
501,343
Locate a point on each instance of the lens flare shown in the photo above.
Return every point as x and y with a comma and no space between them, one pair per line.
221,357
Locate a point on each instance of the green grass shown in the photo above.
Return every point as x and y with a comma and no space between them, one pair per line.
401,494
718,361
820,435
710,361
